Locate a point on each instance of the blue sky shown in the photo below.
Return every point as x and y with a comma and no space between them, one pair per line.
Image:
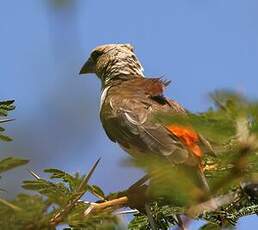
201,45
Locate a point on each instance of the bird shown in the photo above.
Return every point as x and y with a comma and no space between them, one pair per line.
128,104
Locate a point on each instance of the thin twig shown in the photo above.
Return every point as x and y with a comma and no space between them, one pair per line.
10,205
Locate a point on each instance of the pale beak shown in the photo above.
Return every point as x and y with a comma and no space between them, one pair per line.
88,67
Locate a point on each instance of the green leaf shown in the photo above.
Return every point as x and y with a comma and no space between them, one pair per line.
210,226
72,181
101,221
3,112
163,215
214,126
33,214
140,222
75,196
12,206
56,192
7,102
5,138
11,162
7,105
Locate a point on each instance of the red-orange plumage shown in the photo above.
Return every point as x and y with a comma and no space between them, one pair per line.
188,136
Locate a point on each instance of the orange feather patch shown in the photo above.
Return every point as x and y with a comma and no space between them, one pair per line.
188,136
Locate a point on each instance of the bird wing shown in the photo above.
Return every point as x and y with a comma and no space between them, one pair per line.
127,117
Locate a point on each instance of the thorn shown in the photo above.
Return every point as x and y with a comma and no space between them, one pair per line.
6,120
84,201
33,174
89,209
88,176
126,212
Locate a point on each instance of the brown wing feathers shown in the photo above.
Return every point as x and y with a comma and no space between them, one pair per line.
186,135
134,102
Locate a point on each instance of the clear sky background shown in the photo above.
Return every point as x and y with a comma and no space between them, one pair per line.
201,45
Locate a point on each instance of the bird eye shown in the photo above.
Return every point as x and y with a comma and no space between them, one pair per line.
96,54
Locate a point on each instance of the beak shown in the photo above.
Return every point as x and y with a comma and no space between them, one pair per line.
88,67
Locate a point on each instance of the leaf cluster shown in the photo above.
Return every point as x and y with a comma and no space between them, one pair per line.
57,202
231,128
5,107
230,165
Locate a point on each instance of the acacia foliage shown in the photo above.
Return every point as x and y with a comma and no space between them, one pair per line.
231,126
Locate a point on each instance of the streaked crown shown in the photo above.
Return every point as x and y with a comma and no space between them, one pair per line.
112,62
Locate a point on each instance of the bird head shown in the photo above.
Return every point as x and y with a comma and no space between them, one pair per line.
113,61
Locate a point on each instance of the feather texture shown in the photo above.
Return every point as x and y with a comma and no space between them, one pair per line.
129,103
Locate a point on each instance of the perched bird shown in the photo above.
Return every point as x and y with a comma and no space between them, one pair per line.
128,104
